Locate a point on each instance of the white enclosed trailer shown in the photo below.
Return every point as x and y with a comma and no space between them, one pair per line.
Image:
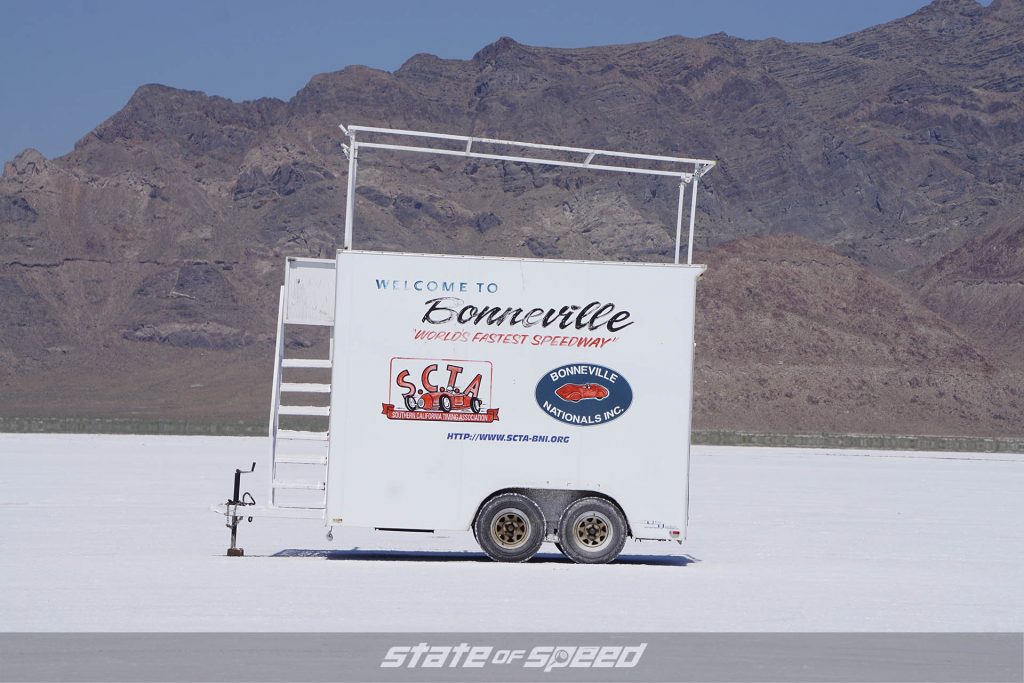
527,400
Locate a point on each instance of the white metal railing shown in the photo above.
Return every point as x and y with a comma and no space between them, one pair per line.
689,170
275,396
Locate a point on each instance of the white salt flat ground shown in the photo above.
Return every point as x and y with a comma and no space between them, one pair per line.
113,533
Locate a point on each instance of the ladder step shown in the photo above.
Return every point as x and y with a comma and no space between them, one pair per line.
303,410
301,459
305,363
306,388
308,485
294,435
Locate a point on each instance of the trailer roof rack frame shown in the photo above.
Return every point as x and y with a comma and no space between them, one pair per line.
688,170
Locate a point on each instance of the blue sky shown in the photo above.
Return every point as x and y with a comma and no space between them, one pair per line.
66,66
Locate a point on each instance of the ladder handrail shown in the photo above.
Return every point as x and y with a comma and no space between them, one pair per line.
275,395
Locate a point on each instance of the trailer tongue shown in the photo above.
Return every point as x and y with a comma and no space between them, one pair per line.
526,400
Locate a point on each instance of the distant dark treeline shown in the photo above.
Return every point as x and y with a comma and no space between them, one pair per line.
898,442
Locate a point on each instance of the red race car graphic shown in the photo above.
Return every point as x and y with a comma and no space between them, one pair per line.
581,392
445,400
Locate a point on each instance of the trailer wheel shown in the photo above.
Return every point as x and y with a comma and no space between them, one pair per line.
446,403
592,531
475,404
510,528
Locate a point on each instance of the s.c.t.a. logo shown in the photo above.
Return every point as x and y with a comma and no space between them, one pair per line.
584,394
428,390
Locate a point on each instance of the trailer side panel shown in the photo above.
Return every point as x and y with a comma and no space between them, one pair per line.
455,377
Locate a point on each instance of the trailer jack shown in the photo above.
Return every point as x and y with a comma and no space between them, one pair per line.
231,511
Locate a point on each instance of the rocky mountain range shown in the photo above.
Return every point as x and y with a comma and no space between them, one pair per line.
864,228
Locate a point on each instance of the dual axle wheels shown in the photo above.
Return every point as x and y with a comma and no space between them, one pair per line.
511,528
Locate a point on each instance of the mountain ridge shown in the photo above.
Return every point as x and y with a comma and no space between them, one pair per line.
898,149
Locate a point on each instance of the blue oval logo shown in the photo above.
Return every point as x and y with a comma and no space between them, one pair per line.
584,394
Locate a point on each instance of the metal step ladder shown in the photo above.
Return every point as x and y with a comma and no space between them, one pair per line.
303,465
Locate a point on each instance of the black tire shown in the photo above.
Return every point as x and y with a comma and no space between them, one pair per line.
475,404
592,531
510,528
410,402
446,403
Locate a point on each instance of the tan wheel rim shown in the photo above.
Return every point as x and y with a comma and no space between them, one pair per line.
592,531
510,529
